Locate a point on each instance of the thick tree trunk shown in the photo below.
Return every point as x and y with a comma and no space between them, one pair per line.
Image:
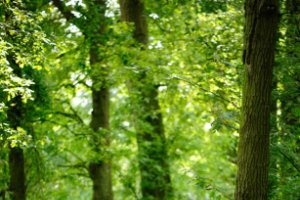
152,152
259,49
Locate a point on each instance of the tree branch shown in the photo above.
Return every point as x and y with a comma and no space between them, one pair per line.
291,160
205,90
78,165
75,113
69,115
63,9
66,127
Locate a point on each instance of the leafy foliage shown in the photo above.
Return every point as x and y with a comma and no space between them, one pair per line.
193,57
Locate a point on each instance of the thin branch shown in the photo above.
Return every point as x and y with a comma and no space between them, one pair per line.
68,128
70,51
76,115
69,115
205,90
75,155
82,82
291,160
75,174
73,85
78,165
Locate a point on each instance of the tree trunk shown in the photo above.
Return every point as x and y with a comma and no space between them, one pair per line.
290,117
17,175
259,49
16,162
100,171
290,100
93,29
152,151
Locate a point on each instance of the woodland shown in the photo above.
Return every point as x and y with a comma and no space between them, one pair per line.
149,100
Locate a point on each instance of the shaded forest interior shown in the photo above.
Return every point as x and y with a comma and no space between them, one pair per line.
149,100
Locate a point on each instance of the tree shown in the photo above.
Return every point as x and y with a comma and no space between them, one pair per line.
152,147
290,81
16,156
261,19
285,145
158,92
93,28
22,43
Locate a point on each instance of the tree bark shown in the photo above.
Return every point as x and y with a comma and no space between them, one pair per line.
261,21
152,151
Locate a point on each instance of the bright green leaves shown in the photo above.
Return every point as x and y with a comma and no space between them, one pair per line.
19,138
22,44
17,86
193,59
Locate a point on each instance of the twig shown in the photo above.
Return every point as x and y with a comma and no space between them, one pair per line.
205,90
292,161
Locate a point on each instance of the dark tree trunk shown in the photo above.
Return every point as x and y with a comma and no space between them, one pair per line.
261,20
17,175
17,185
152,151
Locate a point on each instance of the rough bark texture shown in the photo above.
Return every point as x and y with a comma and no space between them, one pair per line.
261,20
17,185
152,152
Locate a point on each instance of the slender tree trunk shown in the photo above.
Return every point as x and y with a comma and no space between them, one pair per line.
16,162
17,174
259,49
100,171
291,101
290,98
273,165
94,29
152,151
